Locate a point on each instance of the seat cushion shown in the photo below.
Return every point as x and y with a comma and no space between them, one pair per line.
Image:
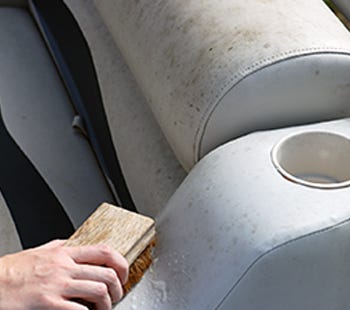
189,57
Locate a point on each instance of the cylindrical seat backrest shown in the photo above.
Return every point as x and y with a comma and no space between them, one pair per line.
215,70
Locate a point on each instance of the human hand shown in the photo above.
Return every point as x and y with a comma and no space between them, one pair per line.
54,276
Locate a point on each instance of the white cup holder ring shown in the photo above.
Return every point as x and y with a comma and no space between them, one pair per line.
314,158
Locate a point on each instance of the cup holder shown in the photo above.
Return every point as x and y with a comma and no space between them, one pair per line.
315,159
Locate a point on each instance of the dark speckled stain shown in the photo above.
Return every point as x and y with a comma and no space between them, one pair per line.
249,35
203,56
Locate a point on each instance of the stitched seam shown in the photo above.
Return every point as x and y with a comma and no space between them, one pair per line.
246,72
317,232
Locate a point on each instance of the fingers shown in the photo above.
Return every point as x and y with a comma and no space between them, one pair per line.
93,292
101,274
104,256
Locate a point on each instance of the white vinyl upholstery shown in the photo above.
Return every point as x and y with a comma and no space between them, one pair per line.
238,235
204,64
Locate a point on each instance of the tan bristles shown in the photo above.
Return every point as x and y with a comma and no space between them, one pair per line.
139,267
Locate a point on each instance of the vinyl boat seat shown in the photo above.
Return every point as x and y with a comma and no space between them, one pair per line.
179,79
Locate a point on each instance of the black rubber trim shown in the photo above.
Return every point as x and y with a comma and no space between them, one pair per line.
71,54
37,213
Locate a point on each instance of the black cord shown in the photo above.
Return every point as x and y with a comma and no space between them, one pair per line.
72,56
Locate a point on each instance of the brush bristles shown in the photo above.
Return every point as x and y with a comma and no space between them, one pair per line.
139,266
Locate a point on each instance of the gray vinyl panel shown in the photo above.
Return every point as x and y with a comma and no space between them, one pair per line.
38,114
9,240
